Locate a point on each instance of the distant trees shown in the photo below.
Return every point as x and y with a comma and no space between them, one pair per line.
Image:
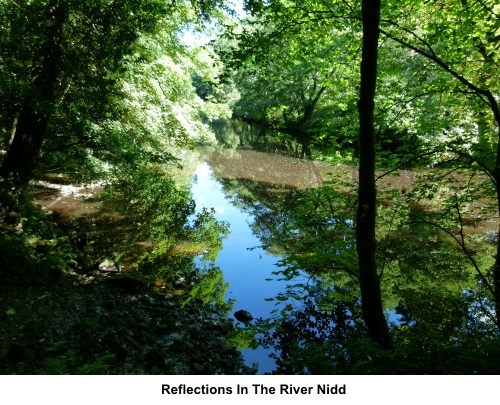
292,79
292,106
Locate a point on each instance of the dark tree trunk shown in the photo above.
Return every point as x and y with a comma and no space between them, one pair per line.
373,312
304,141
31,128
496,278
23,153
496,268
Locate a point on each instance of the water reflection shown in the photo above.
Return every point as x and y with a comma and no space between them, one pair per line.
306,230
292,244
266,168
257,194
275,234
245,270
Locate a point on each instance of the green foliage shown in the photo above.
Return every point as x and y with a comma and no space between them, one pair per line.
118,92
31,245
431,290
293,80
117,85
244,338
150,202
59,361
310,340
211,288
209,232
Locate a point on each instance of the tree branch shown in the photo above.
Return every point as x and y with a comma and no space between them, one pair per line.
462,246
406,162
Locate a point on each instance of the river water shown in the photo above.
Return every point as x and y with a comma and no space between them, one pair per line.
239,185
242,186
247,267
245,270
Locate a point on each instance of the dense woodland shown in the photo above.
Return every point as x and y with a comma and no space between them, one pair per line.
108,94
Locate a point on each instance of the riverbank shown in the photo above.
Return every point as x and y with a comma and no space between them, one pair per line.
97,324
62,312
119,287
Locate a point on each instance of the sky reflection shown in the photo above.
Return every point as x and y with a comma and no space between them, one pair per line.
245,270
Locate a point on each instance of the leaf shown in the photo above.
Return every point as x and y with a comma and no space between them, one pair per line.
10,311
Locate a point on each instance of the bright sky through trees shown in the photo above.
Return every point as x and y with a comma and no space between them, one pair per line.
195,38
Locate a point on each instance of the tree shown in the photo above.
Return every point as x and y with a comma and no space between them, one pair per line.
32,119
309,19
461,38
369,280
460,116
288,105
63,66
294,80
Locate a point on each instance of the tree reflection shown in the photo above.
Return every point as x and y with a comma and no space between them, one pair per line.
148,227
438,308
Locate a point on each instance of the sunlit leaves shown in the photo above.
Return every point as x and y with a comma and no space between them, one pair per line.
211,288
294,71
124,82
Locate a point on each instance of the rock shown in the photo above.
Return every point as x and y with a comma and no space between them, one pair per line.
108,266
243,316
180,282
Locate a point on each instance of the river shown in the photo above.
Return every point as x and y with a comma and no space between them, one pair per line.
239,185
245,270
250,191
247,267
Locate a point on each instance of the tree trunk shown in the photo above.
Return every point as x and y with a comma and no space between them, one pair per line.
371,299
25,148
31,128
304,141
496,267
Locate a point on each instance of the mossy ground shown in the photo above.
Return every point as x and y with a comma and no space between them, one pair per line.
87,325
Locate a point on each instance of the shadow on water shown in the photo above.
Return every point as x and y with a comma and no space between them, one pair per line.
255,193
140,285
